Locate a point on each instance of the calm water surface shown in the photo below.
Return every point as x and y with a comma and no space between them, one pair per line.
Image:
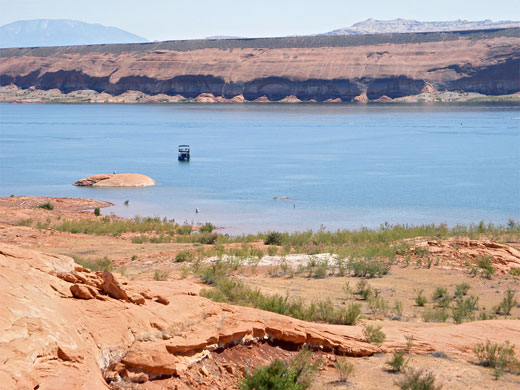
342,166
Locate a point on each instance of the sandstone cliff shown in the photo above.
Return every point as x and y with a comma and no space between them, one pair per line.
305,68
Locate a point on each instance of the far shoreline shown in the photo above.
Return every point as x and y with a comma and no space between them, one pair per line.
15,95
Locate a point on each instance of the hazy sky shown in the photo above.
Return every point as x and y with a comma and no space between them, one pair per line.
185,19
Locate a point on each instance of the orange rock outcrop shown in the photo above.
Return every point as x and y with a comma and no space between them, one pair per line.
65,327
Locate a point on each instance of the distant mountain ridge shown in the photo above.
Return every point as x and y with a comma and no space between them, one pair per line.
373,26
61,32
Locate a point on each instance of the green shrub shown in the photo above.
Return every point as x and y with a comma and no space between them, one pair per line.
439,293
207,228
464,309
344,367
374,334
398,362
160,275
274,238
409,342
461,290
368,267
497,356
364,290
486,265
420,300
418,380
514,271
507,304
46,206
183,256
103,264
297,374
398,309
184,230
435,315
351,314
378,305
25,222
212,273
97,211
207,238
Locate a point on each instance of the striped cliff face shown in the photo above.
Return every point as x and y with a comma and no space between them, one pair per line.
318,68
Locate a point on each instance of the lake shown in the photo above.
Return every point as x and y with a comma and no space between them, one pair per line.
340,166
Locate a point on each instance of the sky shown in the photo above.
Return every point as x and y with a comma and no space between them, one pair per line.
191,19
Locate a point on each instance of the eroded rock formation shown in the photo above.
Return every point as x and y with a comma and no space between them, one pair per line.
302,68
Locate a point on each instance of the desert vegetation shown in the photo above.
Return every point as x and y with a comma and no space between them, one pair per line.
297,374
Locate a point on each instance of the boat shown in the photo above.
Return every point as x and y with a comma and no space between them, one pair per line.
184,153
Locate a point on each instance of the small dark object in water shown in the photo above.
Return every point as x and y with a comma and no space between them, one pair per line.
184,153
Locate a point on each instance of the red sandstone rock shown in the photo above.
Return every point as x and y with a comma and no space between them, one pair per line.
82,291
112,287
361,98
163,300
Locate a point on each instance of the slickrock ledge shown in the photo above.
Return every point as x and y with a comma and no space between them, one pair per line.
65,327
116,180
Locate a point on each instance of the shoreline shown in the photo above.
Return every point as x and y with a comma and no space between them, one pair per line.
15,95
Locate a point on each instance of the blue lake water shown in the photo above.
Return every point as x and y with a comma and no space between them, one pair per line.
341,166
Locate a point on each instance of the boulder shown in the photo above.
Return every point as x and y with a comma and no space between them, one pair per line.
112,287
82,291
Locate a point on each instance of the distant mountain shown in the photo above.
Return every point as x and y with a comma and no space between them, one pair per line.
61,32
372,26
224,37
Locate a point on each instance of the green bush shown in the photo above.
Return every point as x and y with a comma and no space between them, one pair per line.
398,309
235,292
344,367
418,380
208,238
507,304
274,238
398,362
514,271
464,309
368,267
160,275
420,300
439,293
435,315
46,206
497,356
25,222
183,256
97,211
297,374
364,290
374,334
103,264
207,228
486,265
461,290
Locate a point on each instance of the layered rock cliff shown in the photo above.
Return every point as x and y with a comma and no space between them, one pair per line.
308,68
